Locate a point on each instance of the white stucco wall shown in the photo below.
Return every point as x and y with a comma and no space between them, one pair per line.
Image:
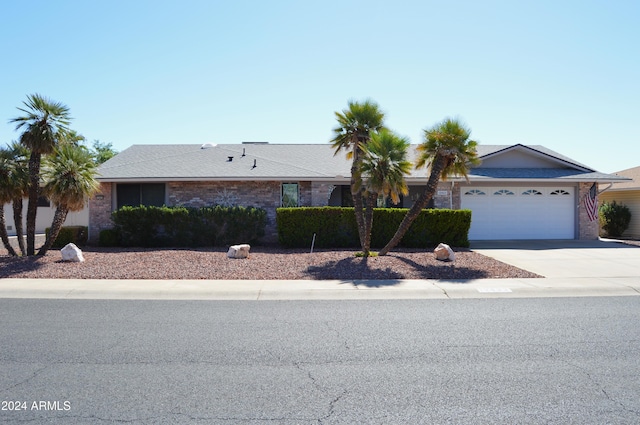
44,218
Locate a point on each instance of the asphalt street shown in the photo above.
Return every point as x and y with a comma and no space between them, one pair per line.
467,361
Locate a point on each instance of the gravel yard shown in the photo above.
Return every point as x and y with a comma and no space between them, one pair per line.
263,263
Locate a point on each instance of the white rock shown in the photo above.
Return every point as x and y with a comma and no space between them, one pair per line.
239,251
72,253
444,252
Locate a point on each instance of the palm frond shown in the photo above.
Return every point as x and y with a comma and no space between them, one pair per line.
448,139
69,176
44,122
385,165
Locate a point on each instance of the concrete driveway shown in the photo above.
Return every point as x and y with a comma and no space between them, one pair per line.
566,258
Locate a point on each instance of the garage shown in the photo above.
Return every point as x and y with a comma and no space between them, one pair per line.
520,212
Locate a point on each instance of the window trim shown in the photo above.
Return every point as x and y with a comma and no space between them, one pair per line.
282,196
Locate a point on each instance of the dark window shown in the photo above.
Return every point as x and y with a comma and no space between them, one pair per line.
347,199
134,195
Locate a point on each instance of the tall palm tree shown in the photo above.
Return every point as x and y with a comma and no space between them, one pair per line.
69,176
384,166
448,152
354,129
43,123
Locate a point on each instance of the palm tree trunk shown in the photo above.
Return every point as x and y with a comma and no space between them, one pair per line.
17,220
3,234
32,207
432,184
356,194
368,222
58,220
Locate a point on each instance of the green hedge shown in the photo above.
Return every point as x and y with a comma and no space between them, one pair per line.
335,227
149,226
69,234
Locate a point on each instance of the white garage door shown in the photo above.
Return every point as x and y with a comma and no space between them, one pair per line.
520,212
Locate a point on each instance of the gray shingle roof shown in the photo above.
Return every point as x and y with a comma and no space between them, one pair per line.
292,162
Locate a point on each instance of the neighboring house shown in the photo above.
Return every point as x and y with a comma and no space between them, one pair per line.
518,192
44,217
627,193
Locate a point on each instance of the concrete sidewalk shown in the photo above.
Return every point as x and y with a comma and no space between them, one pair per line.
315,289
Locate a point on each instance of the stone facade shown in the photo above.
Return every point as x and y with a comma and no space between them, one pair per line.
320,193
100,208
260,194
587,230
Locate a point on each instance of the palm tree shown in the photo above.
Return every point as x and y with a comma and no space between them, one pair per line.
354,129
19,182
70,181
384,165
6,195
448,152
44,123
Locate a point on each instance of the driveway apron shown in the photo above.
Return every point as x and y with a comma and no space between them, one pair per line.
566,258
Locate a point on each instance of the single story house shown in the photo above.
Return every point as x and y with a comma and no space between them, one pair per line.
627,193
518,192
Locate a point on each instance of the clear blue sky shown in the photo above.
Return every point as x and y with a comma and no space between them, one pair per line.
564,74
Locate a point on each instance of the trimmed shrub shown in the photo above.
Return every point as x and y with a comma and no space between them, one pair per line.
108,237
614,218
69,234
335,227
149,226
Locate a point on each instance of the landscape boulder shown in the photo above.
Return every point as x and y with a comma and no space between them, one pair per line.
71,252
443,252
239,251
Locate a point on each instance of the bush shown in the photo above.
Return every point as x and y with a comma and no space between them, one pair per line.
108,237
69,234
149,226
335,227
614,218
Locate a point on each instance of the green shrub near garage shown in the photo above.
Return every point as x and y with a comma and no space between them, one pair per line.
614,218
335,227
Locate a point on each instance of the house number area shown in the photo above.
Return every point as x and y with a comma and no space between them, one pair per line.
17,405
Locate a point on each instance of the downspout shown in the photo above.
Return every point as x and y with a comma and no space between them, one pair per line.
451,196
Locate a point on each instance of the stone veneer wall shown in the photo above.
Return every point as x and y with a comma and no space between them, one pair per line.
587,230
320,193
100,207
261,194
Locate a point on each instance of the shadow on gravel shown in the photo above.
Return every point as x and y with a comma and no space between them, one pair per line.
444,270
352,269
361,270
10,266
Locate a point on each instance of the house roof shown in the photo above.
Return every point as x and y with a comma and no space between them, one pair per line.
633,174
282,162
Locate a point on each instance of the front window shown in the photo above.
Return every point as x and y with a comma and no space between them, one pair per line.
290,194
134,194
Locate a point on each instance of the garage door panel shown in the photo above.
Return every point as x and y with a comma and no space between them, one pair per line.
528,213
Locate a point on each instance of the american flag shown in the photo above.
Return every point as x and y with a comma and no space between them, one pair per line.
591,203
